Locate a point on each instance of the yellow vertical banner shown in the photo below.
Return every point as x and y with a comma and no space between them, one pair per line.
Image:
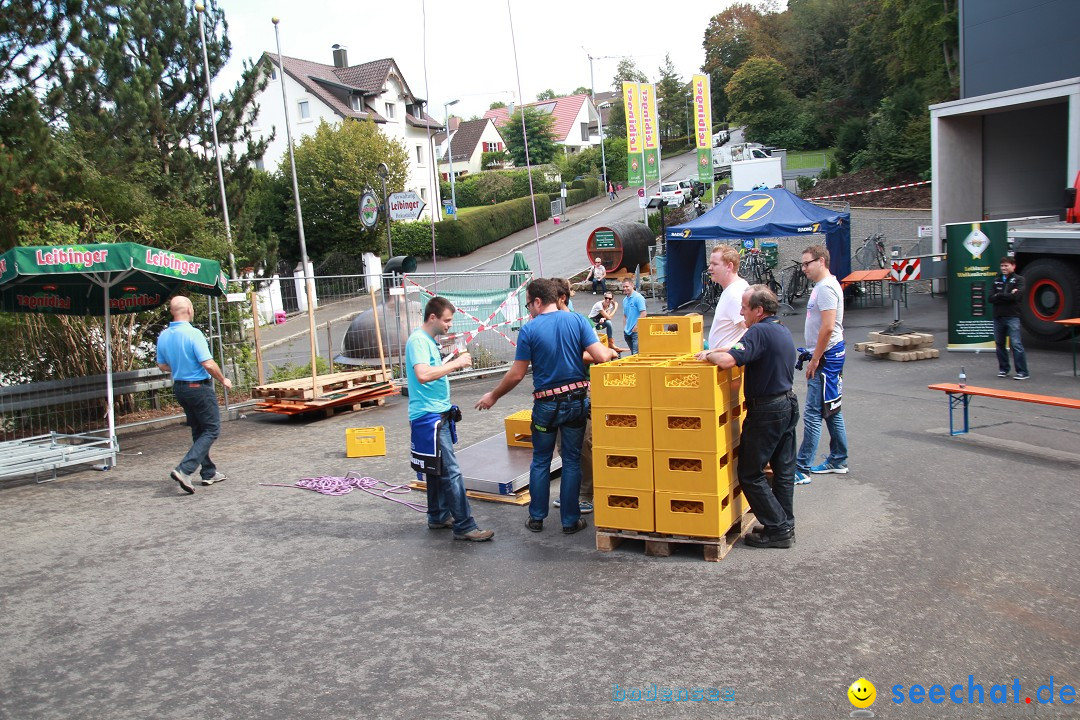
650,136
632,109
703,126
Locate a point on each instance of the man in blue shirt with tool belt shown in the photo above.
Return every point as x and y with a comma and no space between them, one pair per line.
767,353
182,351
432,424
554,343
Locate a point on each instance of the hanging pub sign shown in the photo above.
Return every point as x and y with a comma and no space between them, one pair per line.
369,208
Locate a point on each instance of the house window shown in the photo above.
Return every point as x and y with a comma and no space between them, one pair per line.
585,131
423,194
305,110
390,110
416,112
273,73
419,154
354,102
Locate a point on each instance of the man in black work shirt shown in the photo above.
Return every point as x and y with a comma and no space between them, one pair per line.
1005,296
767,353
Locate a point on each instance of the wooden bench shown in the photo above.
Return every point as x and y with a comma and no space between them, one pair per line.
961,396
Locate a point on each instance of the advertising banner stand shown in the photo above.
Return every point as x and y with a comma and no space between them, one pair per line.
973,251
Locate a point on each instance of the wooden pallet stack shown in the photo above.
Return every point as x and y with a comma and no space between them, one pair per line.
902,347
350,390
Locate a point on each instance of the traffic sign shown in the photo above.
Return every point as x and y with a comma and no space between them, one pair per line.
405,205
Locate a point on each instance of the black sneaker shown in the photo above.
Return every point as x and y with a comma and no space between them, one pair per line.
576,527
534,525
1021,376
1003,373
760,530
783,540
183,480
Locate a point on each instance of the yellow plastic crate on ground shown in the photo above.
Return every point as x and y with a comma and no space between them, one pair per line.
670,334
365,441
519,429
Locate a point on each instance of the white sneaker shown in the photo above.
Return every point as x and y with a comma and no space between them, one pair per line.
218,477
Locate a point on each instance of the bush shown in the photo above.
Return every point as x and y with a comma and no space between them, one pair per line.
469,232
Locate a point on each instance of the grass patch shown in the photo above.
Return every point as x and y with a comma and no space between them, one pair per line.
805,159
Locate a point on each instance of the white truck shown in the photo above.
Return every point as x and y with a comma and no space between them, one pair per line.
723,157
765,172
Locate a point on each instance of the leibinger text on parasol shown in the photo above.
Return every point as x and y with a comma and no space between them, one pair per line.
70,256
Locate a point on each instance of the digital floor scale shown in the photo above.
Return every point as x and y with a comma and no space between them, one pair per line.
491,466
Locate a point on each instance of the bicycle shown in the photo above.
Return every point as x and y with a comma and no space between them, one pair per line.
710,294
879,256
796,283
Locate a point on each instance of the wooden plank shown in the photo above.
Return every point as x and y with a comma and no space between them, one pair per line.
521,497
1071,403
661,545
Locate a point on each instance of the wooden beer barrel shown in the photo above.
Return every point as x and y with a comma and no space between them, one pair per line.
622,245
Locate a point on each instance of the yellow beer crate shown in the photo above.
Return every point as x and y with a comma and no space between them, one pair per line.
694,472
623,508
692,429
365,441
670,334
621,383
694,384
622,427
623,468
698,515
519,429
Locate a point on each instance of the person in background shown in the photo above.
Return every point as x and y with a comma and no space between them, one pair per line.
553,342
633,309
432,424
1005,296
182,351
596,275
728,324
767,353
824,338
565,294
601,314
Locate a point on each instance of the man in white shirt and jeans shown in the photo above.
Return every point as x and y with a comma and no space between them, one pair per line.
728,324
824,337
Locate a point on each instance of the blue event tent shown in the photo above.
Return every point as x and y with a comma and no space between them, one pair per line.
751,214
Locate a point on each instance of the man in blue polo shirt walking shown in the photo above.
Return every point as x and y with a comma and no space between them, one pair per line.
633,306
182,351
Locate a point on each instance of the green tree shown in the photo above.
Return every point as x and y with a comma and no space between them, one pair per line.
730,40
625,71
496,105
671,93
494,187
546,95
333,167
759,100
539,129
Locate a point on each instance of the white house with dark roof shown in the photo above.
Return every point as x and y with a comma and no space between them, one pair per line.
470,139
374,91
574,120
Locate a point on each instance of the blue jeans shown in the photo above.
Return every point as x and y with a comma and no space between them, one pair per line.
606,327
768,436
598,286
201,408
838,450
631,341
1010,327
567,416
446,493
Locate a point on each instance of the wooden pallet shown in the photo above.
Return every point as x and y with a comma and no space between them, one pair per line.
902,347
352,400
521,497
302,388
660,545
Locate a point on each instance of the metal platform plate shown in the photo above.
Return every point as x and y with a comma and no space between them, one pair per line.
491,466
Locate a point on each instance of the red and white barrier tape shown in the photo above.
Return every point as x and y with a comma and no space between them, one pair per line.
867,192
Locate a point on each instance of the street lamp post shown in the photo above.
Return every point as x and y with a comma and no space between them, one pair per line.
603,156
450,153
383,171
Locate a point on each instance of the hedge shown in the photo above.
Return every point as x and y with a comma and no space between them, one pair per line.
470,232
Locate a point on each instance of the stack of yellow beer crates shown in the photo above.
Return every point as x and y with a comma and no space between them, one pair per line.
666,432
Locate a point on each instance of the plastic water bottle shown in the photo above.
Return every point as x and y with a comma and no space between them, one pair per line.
963,377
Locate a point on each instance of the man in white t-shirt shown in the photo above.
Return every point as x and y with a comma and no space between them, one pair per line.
728,324
824,338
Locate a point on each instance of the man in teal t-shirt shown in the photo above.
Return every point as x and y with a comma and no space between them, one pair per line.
431,422
633,306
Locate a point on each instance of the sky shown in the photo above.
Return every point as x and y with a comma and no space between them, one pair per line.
469,45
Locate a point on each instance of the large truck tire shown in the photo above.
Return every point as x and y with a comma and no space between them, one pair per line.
1053,293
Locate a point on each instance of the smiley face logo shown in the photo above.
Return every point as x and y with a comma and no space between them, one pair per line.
862,693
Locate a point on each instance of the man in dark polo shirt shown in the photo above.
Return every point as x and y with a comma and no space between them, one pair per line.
767,353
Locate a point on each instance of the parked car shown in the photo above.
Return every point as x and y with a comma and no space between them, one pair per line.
720,138
673,193
693,187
